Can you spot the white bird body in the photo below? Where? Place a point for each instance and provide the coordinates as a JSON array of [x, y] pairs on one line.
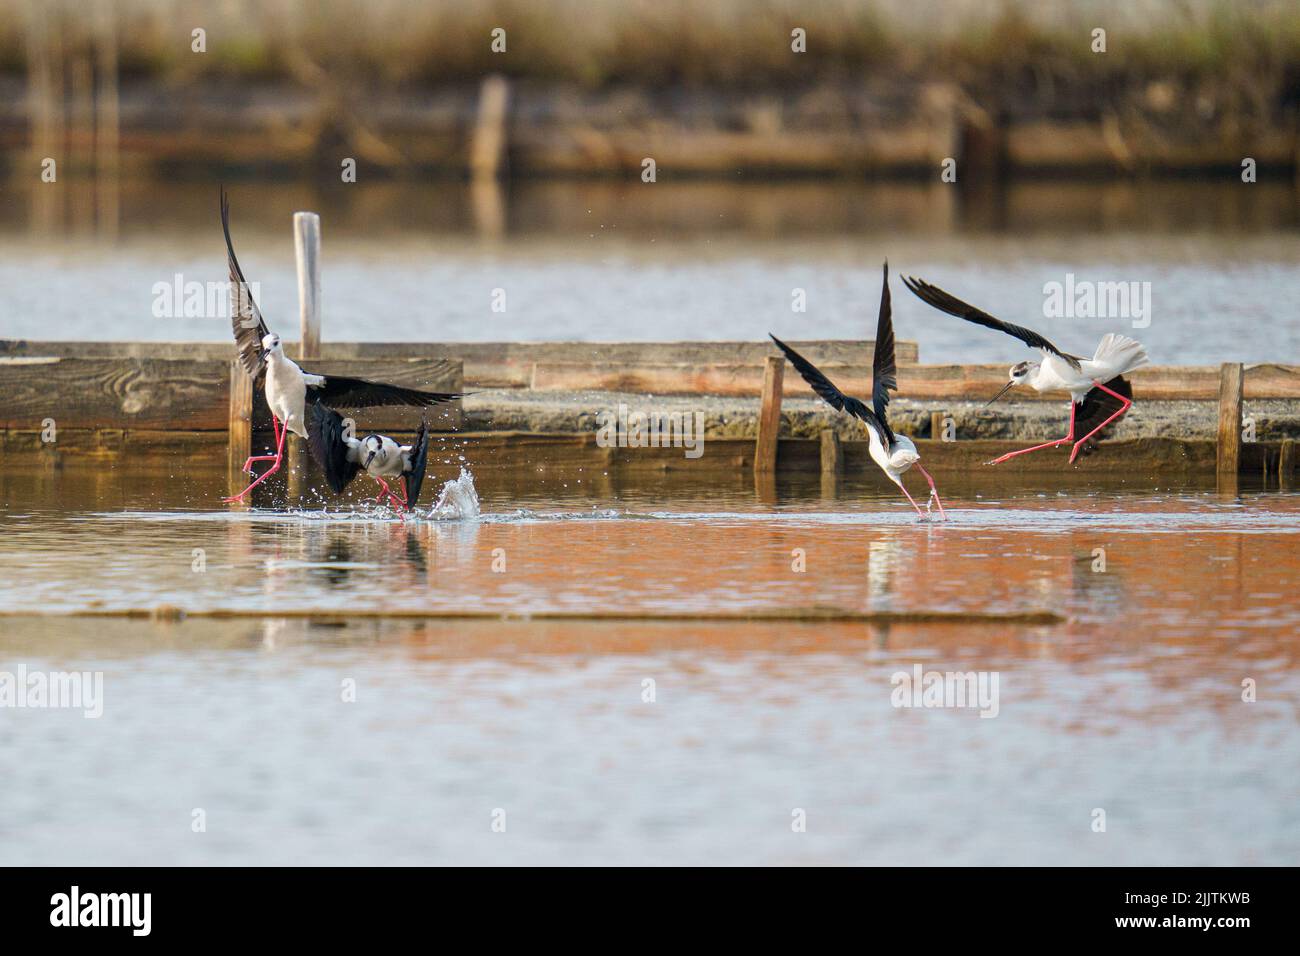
[[1116, 355], [286, 387], [896, 460]]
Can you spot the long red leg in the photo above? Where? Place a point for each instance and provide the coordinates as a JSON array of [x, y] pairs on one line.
[[934, 492], [1127, 405], [248, 465], [399, 503], [1050, 444], [909, 498], [279, 457]]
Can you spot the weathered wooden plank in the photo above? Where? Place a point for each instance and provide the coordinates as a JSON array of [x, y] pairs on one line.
[[921, 382], [769, 416], [116, 393], [137, 393], [489, 364]]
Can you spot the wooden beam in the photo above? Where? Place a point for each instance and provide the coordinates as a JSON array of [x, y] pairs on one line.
[[1229, 438], [306, 248], [769, 417], [1286, 464], [177, 395]]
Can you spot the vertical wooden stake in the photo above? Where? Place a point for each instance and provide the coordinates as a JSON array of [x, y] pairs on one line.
[[1228, 459], [240, 429], [107, 124], [831, 454], [936, 425], [1286, 464], [487, 144], [306, 247], [769, 416]]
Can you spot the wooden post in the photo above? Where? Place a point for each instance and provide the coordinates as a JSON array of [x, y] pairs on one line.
[[832, 459], [1228, 458], [769, 417], [1286, 464], [306, 247], [831, 454], [936, 425], [487, 144], [240, 436], [107, 124]]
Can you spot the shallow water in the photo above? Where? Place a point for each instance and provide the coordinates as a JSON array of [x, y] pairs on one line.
[[610, 262], [1131, 703]]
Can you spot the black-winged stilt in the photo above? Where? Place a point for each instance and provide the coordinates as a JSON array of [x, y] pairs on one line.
[[1095, 384], [895, 454], [288, 388], [342, 456]]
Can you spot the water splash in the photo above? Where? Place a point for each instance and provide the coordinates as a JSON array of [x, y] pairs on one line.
[[458, 500]]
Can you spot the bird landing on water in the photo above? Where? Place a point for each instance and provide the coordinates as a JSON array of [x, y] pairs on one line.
[[1099, 393], [895, 454]]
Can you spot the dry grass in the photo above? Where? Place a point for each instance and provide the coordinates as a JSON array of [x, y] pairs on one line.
[[744, 44]]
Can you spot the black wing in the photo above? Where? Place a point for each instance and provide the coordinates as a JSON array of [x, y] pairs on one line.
[[884, 372], [936, 297], [827, 390], [1096, 407], [325, 440], [359, 393], [419, 455], [245, 317]]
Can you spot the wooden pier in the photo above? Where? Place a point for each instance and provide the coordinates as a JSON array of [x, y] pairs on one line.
[[137, 396]]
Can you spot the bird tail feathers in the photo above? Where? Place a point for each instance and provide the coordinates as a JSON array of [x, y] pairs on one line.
[[1120, 354]]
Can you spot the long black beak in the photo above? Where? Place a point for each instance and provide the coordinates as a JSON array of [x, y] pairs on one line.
[[1005, 388], [369, 459]]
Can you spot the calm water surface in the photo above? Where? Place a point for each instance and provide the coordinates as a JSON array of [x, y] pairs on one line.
[[1132, 703], [667, 261]]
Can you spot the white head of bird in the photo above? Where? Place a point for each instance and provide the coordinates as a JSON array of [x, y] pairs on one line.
[[271, 344], [372, 448], [1018, 374]]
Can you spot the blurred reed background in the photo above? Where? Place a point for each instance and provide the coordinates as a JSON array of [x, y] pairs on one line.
[[1120, 158], [886, 86]]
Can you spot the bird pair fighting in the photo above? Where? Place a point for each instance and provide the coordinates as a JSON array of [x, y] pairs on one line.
[[1099, 393], [290, 392]]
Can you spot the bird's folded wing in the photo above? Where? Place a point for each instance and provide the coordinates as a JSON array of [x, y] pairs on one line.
[[325, 440], [359, 393], [944, 302], [1097, 406], [245, 317], [418, 456]]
